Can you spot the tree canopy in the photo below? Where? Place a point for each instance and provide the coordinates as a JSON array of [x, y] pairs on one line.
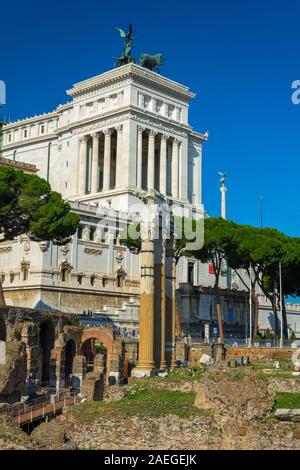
[[29, 206]]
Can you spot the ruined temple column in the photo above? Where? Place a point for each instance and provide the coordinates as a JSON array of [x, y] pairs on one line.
[[163, 363], [175, 166], [95, 161], [163, 165], [107, 156], [139, 156], [170, 303], [82, 166], [146, 362], [151, 160]]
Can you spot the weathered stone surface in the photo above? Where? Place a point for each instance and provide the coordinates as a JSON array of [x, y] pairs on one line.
[[284, 385], [243, 397], [288, 414], [13, 373], [114, 393], [52, 435], [12, 437]]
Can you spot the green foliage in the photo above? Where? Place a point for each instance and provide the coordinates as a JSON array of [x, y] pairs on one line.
[[268, 334], [256, 338], [131, 237], [218, 235], [293, 336], [100, 347], [28, 206], [148, 403]]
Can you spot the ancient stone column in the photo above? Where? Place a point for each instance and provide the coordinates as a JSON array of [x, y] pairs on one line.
[[139, 156], [95, 161], [151, 160], [82, 166], [163, 165], [175, 165], [146, 362], [170, 303], [107, 156], [163, 363], [119, 156]]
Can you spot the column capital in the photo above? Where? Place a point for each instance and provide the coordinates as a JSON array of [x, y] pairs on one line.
[[152, 133], [140, 129], [95, 135], [84, 138], [176, 141], [164, 137], [119, 129], [108, 131]]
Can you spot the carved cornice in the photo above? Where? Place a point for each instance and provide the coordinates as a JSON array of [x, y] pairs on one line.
[[5, 249], [131, 73], [92, 251]]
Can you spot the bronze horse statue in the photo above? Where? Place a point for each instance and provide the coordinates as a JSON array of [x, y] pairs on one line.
[[151, 62]]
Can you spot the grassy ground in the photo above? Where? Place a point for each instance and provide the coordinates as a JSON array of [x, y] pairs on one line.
[[149, 397], [142, 402], [287, 400], [159, 396]]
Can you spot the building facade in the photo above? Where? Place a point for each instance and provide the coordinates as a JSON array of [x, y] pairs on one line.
[[122, 133]]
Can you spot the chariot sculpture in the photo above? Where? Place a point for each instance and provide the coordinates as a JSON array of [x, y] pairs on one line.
[[151, 62]]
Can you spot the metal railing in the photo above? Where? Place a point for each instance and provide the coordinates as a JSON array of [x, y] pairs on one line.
[[40, 407]]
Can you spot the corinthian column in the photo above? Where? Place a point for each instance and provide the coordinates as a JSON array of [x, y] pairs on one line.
[[163, 363], [146, 361], [151, 160], [139, 156], [82, 166], [95, 160], [119, 156], [107, 155], [170, 303], [175, 165], [163, 165]]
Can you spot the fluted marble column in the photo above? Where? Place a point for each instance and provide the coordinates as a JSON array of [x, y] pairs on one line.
[[163, 165], [139, 156], [119, 130], [107, 157], [95, 162], [82, 166], [175, 166], [146, 363], [163, 363], [151, 160]]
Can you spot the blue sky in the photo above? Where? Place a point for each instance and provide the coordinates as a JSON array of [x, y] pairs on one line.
[[240, 57]]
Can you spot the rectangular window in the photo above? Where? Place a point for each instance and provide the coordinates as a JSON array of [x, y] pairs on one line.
[[92, 233], [42, 129], [79, 232], [159, 106], [171, 110], [190, 273], [147, 101]]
